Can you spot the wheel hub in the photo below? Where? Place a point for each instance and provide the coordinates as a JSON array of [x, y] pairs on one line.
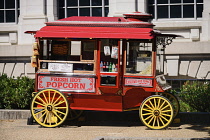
[[49, 107], [156, 112]]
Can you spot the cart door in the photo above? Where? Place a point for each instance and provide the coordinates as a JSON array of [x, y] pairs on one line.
[[109, 75]]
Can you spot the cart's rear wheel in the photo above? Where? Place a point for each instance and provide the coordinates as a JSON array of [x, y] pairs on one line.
[[49, 108], [156, 112], [173, 99], [74, 114]]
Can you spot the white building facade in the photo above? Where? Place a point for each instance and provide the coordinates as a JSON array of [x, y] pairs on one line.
[[187, 58]]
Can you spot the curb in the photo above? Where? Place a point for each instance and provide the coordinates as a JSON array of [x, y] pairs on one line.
[[146, 138], [6, 114], [185, 117]]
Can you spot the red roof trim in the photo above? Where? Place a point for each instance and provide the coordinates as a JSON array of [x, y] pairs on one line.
[[94, 32]]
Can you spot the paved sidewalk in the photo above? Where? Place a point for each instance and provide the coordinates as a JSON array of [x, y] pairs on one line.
[[97, 125], [100, 130]]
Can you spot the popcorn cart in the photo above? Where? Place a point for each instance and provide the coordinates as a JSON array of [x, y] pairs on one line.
[[102, 64]]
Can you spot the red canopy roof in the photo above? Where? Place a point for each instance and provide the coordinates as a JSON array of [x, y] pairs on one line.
[[94, 32], [132, 26]]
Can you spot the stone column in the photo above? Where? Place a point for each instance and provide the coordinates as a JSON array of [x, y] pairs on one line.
[[172, 65], [51, 10], [32, 18], [206, 21], [119, 7]]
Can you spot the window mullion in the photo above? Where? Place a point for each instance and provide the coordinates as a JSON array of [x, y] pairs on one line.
[[4, 16], [65, 8], [169, 9], [91, 8], [155, 9], [78, 8], [103, 8], [195, 10], [182, 8]]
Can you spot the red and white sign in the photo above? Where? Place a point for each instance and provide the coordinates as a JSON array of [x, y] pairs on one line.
[[138, 82], [74, 84]]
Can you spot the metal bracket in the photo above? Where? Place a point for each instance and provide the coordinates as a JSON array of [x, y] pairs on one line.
[[164, 40]]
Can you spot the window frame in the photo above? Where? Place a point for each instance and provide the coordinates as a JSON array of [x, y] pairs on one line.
[[16, 9], [141, 74], [78, 7], [169, 4]]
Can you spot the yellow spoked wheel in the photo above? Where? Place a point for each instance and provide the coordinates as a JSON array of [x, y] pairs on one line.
[[156, 112], [49, 108], [173, 99], [74, 114]]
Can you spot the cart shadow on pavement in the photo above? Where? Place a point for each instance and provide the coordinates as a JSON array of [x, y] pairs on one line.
[[104, 118]]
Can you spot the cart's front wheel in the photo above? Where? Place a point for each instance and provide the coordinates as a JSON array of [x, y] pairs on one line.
[[156, 112], [49, 108]]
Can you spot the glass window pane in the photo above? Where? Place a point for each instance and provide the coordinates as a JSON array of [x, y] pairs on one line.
[[199, 10], [188, 1], [84, 2], [151, 10], [84, 11], [188, 11], [106, 11], [97, 12], [72, 3], [175, 11], [106, 2], [175, 1], [61, 3], [151, 1], [162, 11], [61, 13], [10, 4], [96, 2], [1, 16], [162, 1], [72, 12], [139, 58], [18, 3], [10, 16], [1, 4], [199, 1]]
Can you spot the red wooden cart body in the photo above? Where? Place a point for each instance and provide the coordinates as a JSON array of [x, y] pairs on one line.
[[85, 91]]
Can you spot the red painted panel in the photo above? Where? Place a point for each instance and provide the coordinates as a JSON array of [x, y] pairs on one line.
[[134, 97], [96, 102]]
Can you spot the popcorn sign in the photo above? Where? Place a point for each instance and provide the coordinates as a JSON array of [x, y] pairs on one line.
[[74, 84], [138, 82]]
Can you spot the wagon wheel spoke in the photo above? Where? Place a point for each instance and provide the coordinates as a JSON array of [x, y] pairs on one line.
[[42, 115], [49, 108], [173, 99], [39, 112], [53, 97], [44, 97], [156, 112]]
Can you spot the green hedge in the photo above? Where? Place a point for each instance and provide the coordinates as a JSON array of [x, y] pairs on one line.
[[196, 94], [15, 93]]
